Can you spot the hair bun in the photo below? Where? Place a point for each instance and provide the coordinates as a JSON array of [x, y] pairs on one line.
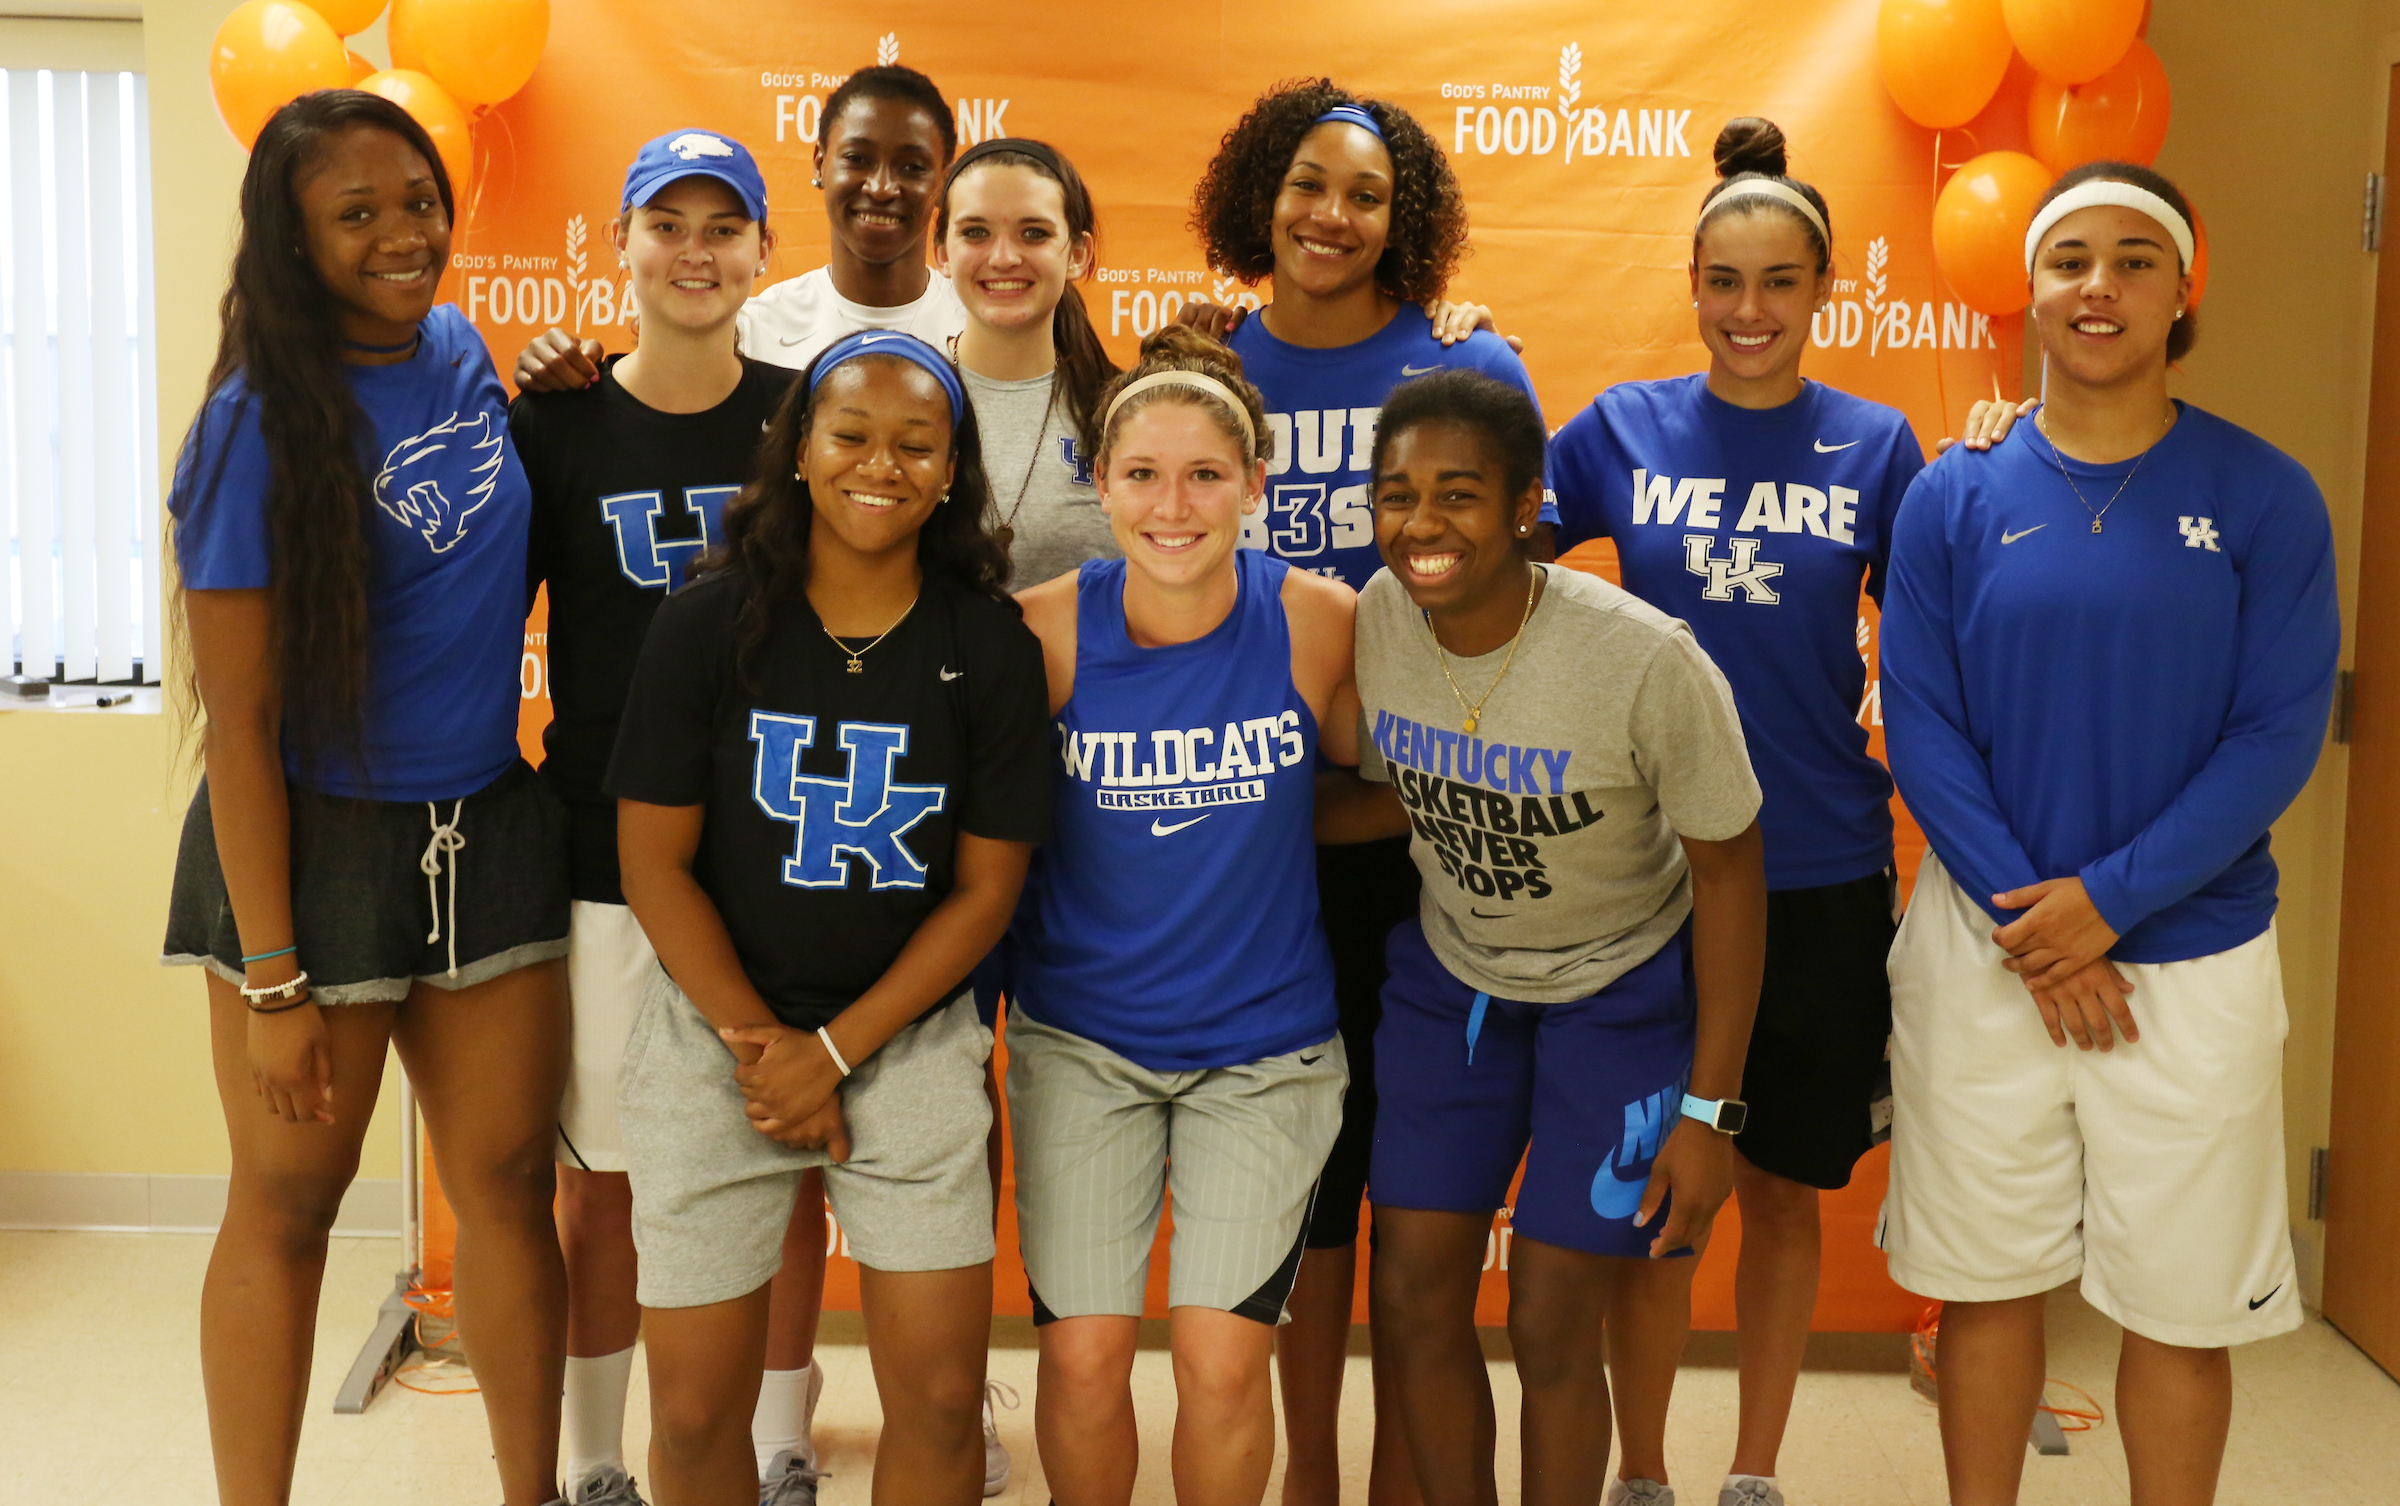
[[1179, 345], [1750, 145]]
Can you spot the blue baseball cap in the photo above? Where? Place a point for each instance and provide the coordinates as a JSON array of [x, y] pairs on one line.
[[695, 154]]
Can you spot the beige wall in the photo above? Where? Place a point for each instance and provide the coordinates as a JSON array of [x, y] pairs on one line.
[[103, 1056]]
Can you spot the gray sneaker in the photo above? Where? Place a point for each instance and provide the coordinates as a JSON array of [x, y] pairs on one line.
[[1623, 1492], [605, 1486], [1752, 1491], [995, 1454], [789, 1482]]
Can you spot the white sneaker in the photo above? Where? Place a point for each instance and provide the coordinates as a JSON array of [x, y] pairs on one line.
[[1622, 1492], [1750, 1490], [995, 1454]]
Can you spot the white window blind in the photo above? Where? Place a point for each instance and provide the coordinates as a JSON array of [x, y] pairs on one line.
[[81, 469]]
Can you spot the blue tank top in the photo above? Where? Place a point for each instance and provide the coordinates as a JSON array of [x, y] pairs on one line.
[[1172, 915]]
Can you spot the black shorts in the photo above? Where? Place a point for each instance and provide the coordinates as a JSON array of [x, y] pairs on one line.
[[1824, 1018], [1363, 890], [368, 925]]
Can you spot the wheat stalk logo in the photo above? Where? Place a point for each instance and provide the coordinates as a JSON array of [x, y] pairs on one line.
[[1226, 289], [1570, 89], [575, 293], [887, 49], [1879, 252]]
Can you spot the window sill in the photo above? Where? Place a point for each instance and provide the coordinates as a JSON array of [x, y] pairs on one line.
[[83, 700]]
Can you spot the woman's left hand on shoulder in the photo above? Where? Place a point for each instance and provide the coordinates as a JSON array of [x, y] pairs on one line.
[[1696, 1165], [1453, 322]]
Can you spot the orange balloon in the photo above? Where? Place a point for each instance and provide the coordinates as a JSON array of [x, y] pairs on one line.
[[348, 17], [2072, 41], [482, 51], [2120, 116], [1942, 59], [268, 53], [443, 120], [1979, 224], [400, 41], [359, 68]]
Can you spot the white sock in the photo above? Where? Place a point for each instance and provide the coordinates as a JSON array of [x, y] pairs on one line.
[[787, 1405], [593, 1419]]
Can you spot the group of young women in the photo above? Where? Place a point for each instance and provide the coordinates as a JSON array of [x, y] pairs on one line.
[[1320, 836]]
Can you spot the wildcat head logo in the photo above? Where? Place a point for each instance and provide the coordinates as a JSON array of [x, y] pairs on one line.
[[409, 486], [692, 146]]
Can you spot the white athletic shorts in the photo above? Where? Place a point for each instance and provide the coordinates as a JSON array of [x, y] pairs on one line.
[[2153, 1171], [609, 962]]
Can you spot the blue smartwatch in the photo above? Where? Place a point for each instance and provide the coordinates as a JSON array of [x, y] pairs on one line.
[[1724, 1115]]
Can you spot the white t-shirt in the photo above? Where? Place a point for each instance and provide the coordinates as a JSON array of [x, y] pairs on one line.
[[794, 319]]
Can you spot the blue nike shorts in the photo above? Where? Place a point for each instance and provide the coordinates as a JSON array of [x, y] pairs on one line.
[[1585, 1091]]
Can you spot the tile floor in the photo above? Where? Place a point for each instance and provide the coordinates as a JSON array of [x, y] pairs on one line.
[[100, 1404]]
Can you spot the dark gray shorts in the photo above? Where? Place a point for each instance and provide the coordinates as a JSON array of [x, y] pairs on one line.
[[370, 922]]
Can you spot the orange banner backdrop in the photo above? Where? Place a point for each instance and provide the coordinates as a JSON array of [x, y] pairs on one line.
[[1581, 134]]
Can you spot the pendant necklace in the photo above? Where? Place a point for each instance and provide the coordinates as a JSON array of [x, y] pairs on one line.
[[858, 656], [2064, 475], [1475, 712], [1006, 534]]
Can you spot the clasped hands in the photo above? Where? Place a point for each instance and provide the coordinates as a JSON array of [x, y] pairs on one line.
[[2059, 950], [789, 1087]]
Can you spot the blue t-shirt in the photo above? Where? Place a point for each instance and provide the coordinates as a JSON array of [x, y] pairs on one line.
[[446, 541], [1757, 526], [1322, 406], [1172, 915], [2134, 706]]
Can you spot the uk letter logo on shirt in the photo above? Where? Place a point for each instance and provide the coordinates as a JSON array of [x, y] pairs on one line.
[[651, 561], [863, 816], [2199, 533], [409, 486], [1745, 572]]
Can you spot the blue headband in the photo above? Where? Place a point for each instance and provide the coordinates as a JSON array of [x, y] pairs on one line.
[[892, 342], [1355, 116]]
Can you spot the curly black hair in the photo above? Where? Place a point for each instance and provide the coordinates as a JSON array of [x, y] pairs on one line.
[[1233, 207]]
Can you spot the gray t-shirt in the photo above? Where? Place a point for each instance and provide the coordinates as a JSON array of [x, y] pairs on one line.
[[1548, 839], [1030, 450]]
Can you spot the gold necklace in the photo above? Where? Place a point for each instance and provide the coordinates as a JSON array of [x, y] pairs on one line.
[[1475, 712], [857, 656], [2061, 467]]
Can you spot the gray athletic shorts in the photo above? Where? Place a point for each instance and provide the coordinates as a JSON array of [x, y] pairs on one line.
[[711, 1195], [1100, 1142]]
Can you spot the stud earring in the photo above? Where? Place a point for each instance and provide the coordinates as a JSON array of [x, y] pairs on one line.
[[1521, 528], [2179, 313]]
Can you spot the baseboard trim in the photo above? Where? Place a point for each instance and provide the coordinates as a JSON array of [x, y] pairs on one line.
[[135, 1202]]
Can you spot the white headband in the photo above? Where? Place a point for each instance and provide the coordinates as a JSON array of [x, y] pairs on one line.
[[2098, 191], [1196, 379], [1769, 188]]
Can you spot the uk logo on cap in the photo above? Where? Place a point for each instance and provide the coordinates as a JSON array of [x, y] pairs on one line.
[[695, 154]]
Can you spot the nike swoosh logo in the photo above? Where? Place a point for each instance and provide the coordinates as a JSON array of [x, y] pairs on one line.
[[875, 339], [2269, 1297], [2010, 538], [1310, 1061], [1826, 449], [1408, 370], [1161, 829], [954, 674], [1503, 915]]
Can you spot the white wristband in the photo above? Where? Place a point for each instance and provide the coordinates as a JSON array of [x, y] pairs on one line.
[[275, 993], [833, 1051]]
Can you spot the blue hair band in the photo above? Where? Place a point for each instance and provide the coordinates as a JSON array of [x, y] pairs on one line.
[[892, 342], [1354, 116]]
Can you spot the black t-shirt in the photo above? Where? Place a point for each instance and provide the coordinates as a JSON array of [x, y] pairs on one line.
[[625, 500], [834, 800]]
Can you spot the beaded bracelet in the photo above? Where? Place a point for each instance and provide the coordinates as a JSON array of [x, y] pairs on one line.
[[275, 993], [284, 1008]]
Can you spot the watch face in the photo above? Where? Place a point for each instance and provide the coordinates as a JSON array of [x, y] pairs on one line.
[[1732, 1115]]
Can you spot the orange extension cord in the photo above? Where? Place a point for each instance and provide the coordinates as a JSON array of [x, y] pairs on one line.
[[1922, 1378], [443, 1359]]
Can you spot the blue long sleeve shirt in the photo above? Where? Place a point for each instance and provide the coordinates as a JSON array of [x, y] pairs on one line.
[[2134, 706]]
